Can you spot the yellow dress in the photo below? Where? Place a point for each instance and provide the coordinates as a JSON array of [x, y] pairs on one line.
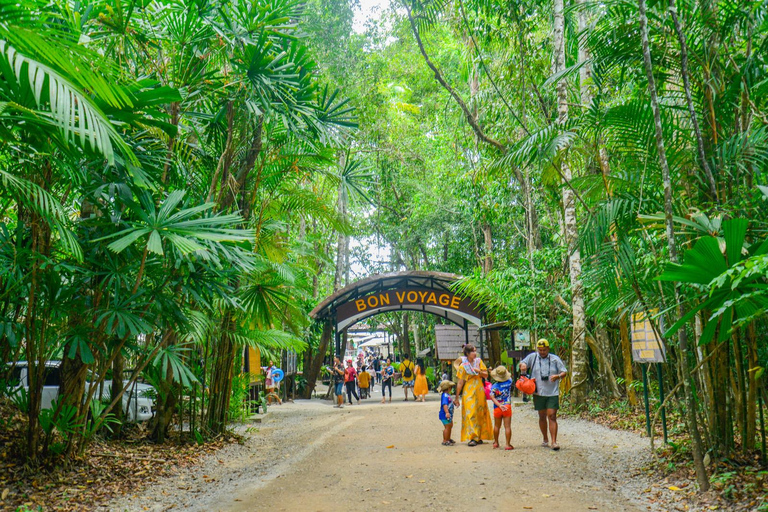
[[420, 387], [475, 417]]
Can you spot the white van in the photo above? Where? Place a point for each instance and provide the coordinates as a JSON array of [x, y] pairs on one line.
[[138, 403]]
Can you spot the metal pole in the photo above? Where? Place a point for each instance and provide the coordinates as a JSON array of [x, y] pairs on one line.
[[645, 394], [660, 375], [338, 344]]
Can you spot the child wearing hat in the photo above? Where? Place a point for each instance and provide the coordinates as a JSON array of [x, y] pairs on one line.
[[446, 411], [501, 396]]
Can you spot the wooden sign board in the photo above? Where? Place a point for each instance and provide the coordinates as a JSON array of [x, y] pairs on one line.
[[450, 340], [646, 346], [407, 298]]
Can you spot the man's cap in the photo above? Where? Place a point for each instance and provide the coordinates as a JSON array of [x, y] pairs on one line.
[[542, 343]]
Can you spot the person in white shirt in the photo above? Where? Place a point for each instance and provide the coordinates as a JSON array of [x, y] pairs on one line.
[[547, 370]]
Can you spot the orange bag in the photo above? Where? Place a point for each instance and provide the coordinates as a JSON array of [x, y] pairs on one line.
[[526, 385]]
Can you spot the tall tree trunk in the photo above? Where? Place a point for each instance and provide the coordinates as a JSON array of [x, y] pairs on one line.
[[626, 353], [579, 365], [341, 243], [752, 365], [494, 340], [35, 319], [118, 365], [689, 101], [690, 413], [317, 362], [221, 376], [405, 340], [603, 354], [738, 386]]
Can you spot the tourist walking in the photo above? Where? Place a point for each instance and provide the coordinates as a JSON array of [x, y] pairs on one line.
[[338, 373], [407, 373], [350, 380], [387, 376], [501, 396], [475, 418], [270, 383], [446, 411], [420, 386], [547, 370], [364, 382], [372, 380], [377, 368]]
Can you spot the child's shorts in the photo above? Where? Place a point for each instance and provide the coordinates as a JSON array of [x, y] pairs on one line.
[[505, 411], [446, 422]]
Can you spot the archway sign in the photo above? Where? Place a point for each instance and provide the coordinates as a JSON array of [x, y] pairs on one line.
[[414, 290]]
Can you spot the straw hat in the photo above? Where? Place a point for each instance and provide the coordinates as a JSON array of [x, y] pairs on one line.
[[445, 385], [457, 364], [500, 374]]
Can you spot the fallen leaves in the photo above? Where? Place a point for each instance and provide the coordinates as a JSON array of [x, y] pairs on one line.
[[107, 470]]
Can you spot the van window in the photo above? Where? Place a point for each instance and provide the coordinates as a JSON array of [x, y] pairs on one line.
[[53, 376], [15, 377]]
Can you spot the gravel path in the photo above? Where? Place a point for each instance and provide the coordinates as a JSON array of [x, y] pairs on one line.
[[310, 456]]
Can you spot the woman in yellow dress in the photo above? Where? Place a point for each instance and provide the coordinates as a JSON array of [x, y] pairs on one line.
[[421, 387], [475, 416]]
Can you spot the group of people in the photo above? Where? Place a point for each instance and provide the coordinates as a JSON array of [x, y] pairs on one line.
[[547, 370], [479, 393], [359, 379]]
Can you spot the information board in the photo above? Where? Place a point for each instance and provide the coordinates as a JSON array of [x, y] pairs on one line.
[[522, 339], [646, 346]]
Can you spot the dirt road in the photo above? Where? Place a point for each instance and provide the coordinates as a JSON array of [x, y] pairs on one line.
[[310, 456]]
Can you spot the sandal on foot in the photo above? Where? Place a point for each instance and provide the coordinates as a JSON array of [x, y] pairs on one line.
[[555, 446], [545, 444], [510, 447], [446, 443], [480, 441], [451, 442], [472, 443], [495, 445]]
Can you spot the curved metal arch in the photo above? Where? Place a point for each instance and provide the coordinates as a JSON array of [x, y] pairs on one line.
[[438, 281], [415, 290]]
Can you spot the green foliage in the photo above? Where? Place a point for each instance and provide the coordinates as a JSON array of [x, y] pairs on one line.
[[737, 297]]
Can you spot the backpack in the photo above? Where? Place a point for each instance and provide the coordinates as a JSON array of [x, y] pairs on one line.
[[407, 372]]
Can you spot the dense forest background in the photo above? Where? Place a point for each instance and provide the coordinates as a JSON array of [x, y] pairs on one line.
[[182, 179]]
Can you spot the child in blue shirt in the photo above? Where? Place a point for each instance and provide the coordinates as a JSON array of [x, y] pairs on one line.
[[446, 411], [501, 396]]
